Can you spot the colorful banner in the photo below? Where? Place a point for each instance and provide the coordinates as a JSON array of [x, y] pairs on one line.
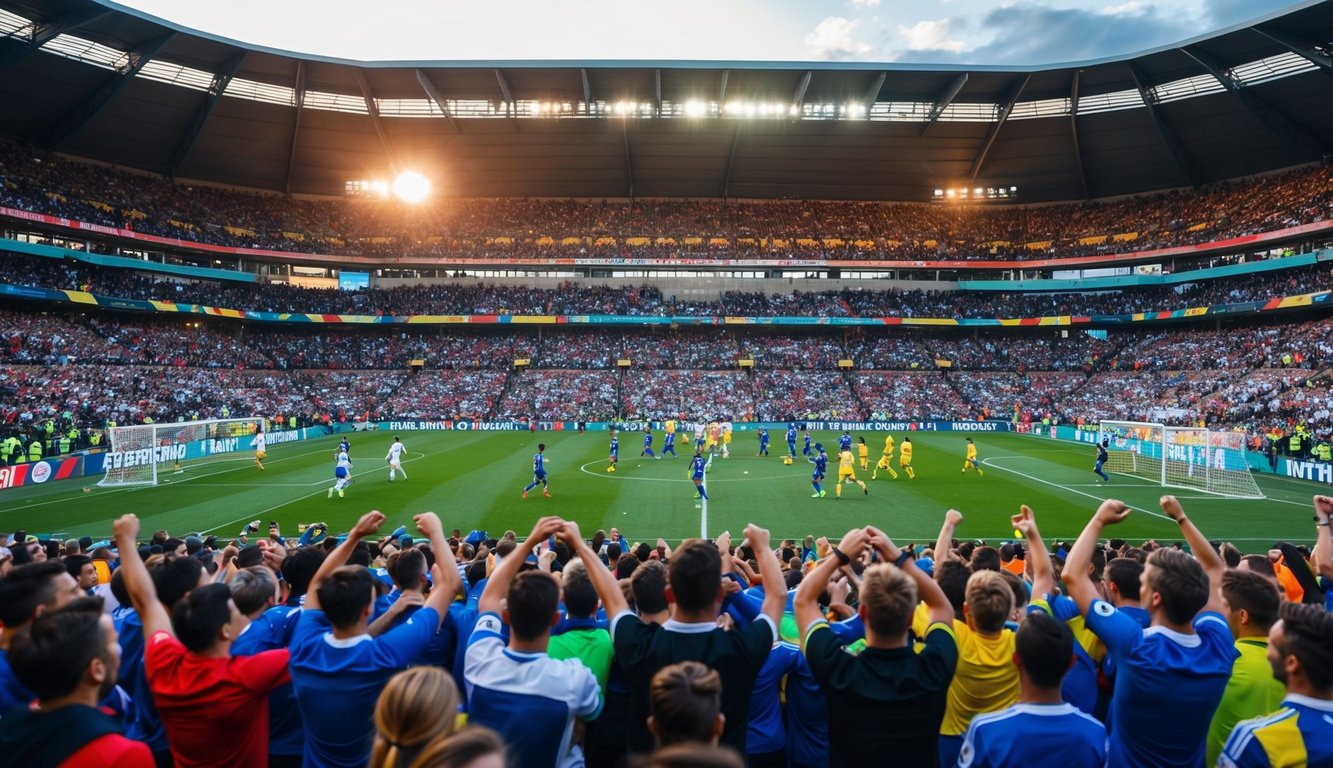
[[464, 425], [98, 463], [36, 473]]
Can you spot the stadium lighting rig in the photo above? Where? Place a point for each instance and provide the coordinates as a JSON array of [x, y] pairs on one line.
[[411, 187], [964, 194]]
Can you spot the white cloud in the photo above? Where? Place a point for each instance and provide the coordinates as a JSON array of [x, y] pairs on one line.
[[865, 3], [832, 39], [1131, 8], [930, 36]]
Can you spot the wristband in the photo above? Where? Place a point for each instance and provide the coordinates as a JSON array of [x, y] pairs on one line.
[[903, 557], [842, 556]]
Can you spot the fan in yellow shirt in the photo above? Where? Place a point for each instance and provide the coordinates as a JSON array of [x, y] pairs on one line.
[[971, 460], [886, 460], [847, 474]]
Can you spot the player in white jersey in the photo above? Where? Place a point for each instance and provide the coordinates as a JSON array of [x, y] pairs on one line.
[[395, 458], [258, 443], [342, 474]]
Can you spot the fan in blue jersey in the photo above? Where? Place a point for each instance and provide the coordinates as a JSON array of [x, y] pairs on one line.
[[1041, 724], [763, 442], [1187, 653], [697, 468], [820, 460], [538, 472], [1101, 460], [648, 445], [614, 456], [805, 450], [669, 444], [844, 442], [342, 474], [791, 440]]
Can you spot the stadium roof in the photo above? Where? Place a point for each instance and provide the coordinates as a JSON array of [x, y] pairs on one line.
[[94, 79]]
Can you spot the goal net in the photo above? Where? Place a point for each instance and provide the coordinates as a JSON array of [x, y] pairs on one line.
[[136, 454], [1180, 457]]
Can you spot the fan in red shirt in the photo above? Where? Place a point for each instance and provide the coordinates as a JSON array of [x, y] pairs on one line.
[[214, 706]]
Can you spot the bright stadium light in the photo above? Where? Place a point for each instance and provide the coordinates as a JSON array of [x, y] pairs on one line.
[[695, 108], [411, 187]]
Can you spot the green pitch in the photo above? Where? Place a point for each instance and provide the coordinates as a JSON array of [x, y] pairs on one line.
[[474, 480]]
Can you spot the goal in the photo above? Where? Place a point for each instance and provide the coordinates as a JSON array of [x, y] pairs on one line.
[[135, 453], [1180, 457]]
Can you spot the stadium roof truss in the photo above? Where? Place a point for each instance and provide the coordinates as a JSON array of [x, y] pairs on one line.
[[94, 79]]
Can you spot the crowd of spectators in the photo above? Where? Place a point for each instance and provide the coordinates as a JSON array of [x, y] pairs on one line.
[[38, 181]]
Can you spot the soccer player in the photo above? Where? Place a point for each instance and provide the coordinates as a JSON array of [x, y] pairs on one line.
[[538, 472], [863, 453], [847, 473], [1300, 649], [1187, 653], [805, 450], [648, 445], [346, 446], [1041, 724], [1101, 460], [791, 440], [669, 441], [845, 442], [820, 460], [905, 459], [615, 452], [725, 428], [258, 442], [394, 457], [714, 437], [699, 436], [971, 459], [886, 460], [763, 442], [342, 474], [697, 468]]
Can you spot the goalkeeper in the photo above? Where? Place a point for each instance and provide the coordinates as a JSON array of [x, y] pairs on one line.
[[1101, 460]]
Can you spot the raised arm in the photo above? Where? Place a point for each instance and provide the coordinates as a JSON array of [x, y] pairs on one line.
[[1043, 575], [608, 589], [1209, 558], [775, 589], [1323, 548], [1077, 581], [447, 580], [366, 526], [497, 587], [944, 543], [137, 580], [806, 603], [938, 607]]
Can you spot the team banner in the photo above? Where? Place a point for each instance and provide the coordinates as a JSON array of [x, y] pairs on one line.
[[467, 425], [38, 472]]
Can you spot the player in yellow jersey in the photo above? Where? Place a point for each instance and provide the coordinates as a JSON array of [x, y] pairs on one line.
[[863, 453], [905, 458], [886, 461], [714, 437], [971, 460], [847, 473]]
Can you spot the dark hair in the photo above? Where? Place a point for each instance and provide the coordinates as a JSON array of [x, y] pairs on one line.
[[695, 575], [625, 565], [171, 545], [1253, 593], [407, 568], [613, 552], [1124, 573], [1260, 565], [1230, 555], [1181, 582], [534, 597], [648, 585], [684, 700], [1308, 635], [985, 559], [118, 589], [252, 588], [642, 551], [952, 576], [27, 587], [344, 595], [299, 568], [201, 615], [476, 573], [1045, 646], [692, 755], [175, 578], [462, 748], [248, 556], [51, 655], [579, 593], [360, 555], [504, 548], [74, 564]]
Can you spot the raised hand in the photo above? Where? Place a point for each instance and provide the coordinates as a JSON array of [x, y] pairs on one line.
[[953, 517], [429, 524], [1323, 507], [1024, 522], [757, 537], [1113, 511], [126, 526], [368, 524], [546, 527], [854, 542], [1172, 508]]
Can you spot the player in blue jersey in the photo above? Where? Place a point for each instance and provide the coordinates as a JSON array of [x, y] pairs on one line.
[[845, 442], [820, 460], [615, 452], [345, 446], [1101, 460], [669, 444], [805, 450], [342, 474], [763, 442], [791, 440], [538, 472], [1300, 650], [697, 468], [1187, 654], [648, 445], [1041, 724]]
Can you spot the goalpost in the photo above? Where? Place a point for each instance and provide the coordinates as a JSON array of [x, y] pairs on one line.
[[135, 452], [1180, 457]]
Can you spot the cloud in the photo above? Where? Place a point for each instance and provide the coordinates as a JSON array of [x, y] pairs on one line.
[[865, 3], [1225, 13], [931, 35], [1131, 8], [832, 40]]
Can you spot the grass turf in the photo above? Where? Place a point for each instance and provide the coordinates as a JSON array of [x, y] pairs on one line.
[[474, 480]]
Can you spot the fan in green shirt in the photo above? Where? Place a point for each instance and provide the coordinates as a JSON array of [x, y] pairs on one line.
[[1251, 604]]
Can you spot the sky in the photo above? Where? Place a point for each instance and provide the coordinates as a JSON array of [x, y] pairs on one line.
[[1025, 32]]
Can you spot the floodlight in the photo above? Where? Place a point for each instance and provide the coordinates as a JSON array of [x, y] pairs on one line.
[[695, 108], [411, 187]]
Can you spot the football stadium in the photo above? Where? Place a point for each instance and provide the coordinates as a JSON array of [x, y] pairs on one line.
[[498, 412]]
